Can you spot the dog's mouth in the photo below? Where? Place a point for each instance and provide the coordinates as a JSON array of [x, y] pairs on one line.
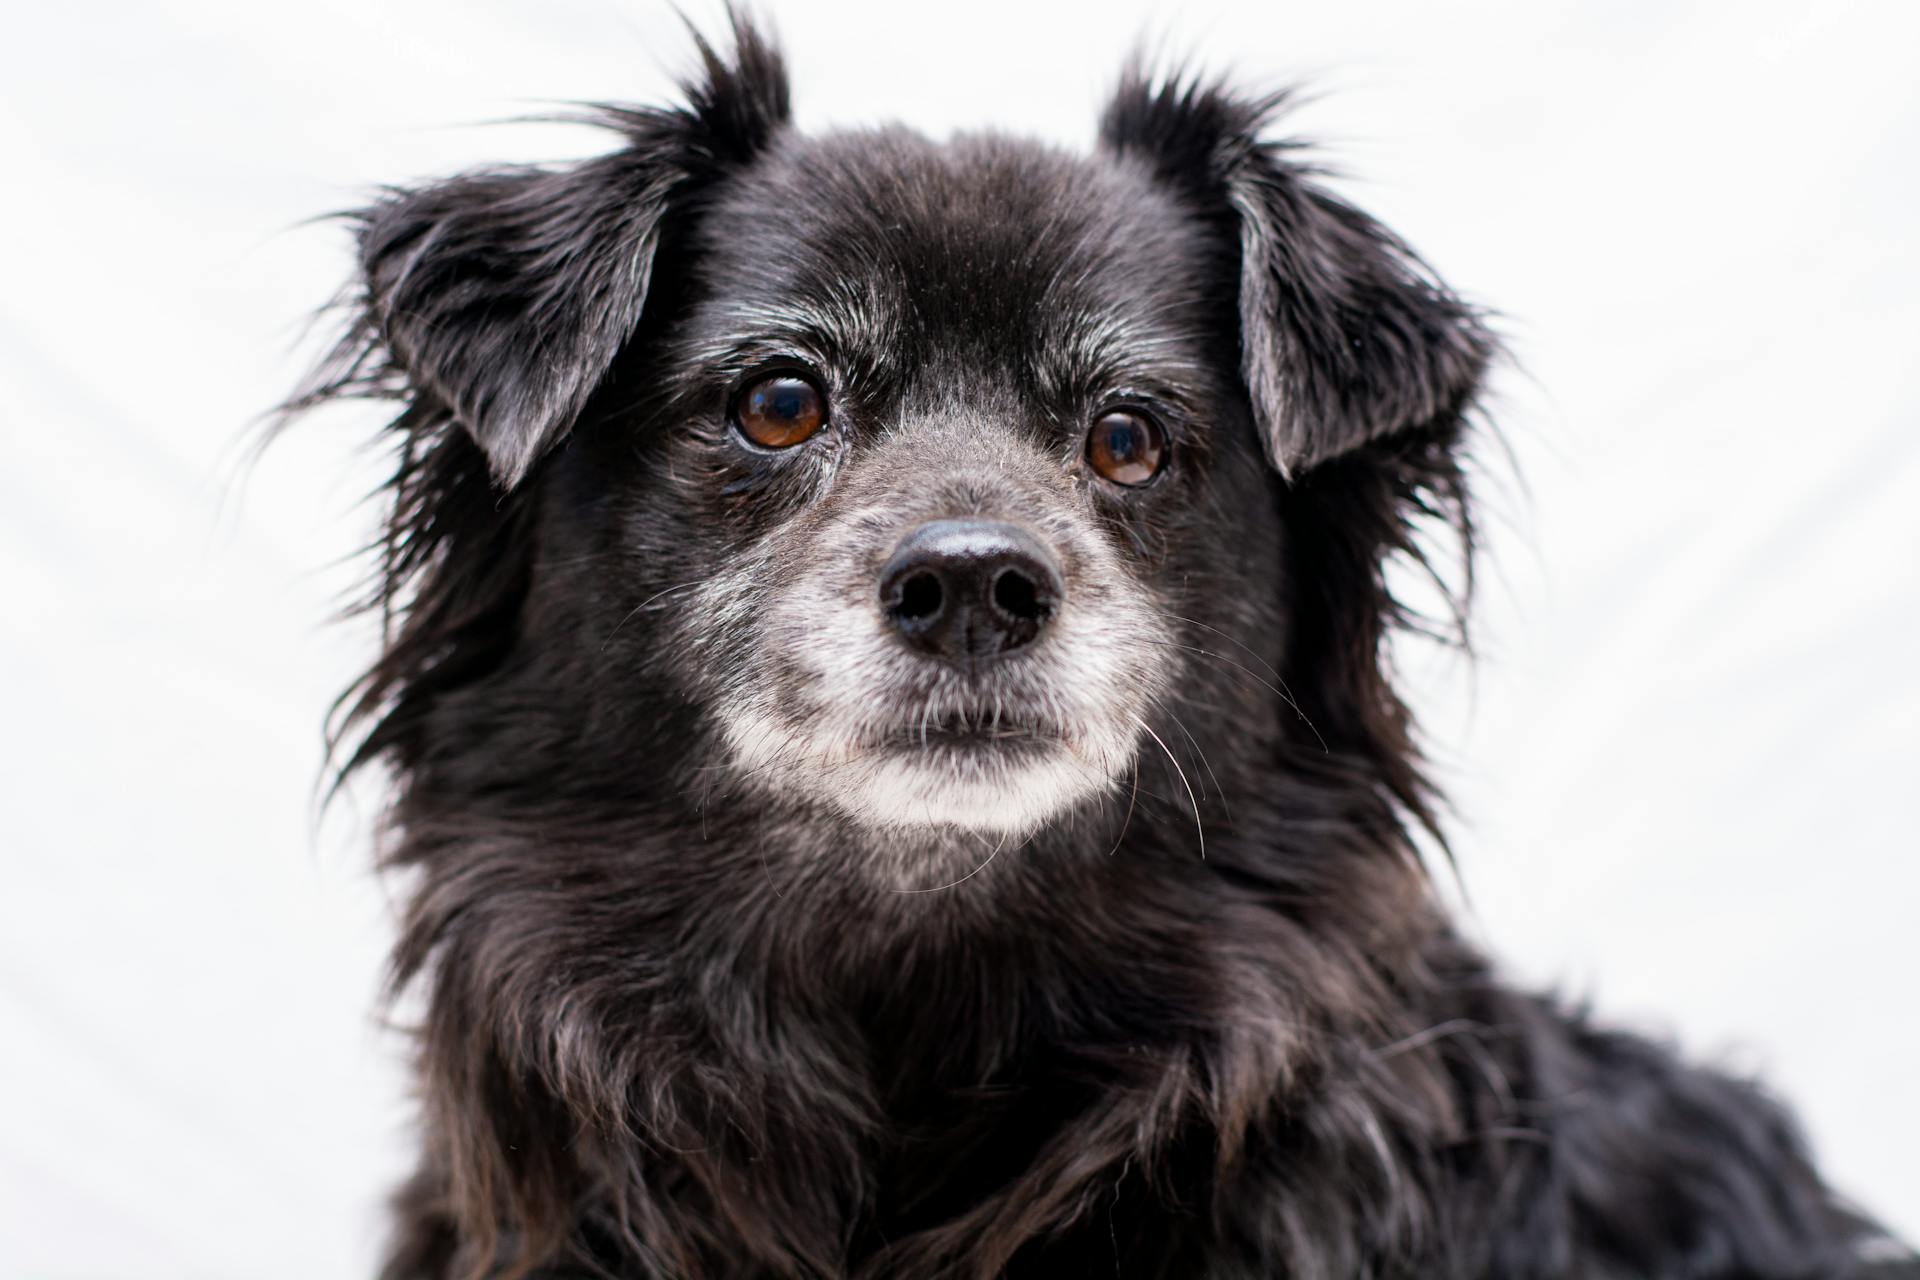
[[982, 730], [972, 767]]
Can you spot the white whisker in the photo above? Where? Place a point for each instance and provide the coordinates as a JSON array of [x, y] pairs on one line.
[[971, 874], [1198, 830]]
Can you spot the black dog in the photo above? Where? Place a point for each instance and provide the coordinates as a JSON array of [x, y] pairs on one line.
[[897, 773]]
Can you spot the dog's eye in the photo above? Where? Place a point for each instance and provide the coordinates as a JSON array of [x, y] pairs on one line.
[[780, 410], [1126, 447]]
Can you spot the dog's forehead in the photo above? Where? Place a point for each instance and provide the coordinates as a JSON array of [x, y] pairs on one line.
[[984, 244]]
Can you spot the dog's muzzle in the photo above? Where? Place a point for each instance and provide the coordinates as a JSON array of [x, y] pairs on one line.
[[969, 591]]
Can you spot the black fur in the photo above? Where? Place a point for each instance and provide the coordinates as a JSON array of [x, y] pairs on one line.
[[684, 1018]]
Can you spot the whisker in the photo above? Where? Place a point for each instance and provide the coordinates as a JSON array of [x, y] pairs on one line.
[[1280, 693], [1205, 764], [1198, 830], [685, 586], [1132, 796], [971, 874], [1195, 622]]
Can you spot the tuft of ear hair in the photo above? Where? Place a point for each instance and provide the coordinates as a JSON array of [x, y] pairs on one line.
[[490, 307], [506, 294], [1346, 335]]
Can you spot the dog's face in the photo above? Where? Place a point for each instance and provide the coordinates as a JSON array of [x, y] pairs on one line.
[[905, 481], [939, 418]]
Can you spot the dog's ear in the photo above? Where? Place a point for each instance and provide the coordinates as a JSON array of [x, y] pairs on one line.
[[1345, 336], [506, 294]]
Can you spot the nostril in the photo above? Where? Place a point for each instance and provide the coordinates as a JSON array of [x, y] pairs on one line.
[[1018, 596], [969, 589], [920, 598]]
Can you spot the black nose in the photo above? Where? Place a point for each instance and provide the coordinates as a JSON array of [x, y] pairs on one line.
[[970, 589]]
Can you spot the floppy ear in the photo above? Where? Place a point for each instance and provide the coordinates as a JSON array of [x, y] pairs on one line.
[[506, 294], [1345, 335]]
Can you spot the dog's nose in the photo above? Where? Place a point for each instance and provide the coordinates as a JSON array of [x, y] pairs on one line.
[[970, 589]]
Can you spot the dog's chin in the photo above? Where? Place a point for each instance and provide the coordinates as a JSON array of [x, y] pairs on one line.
[[1010, 785], [989, 780]]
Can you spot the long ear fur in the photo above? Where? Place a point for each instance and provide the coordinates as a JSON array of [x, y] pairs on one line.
[[1360, 368], [489, 306], [1345, 335], [505, 295]]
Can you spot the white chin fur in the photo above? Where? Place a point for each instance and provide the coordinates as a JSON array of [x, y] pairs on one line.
[[1010, 793], [1011, 797]]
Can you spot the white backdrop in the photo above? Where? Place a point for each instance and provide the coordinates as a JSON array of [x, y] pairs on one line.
[[1685, 765]]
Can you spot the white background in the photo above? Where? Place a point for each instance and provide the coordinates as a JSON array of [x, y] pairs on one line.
[[1685, 764]]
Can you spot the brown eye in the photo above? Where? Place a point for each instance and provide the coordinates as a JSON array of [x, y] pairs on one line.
[[1126, 447], [780, 411]]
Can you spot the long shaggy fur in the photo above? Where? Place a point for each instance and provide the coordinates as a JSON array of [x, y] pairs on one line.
[[1207, 1022]]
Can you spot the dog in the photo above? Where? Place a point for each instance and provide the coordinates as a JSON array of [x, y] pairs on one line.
[[895, 767]]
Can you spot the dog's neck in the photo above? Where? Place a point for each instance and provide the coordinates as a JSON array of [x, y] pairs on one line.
[[920, 1048]]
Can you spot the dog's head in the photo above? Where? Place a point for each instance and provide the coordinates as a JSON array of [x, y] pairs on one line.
[[920, 484]]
